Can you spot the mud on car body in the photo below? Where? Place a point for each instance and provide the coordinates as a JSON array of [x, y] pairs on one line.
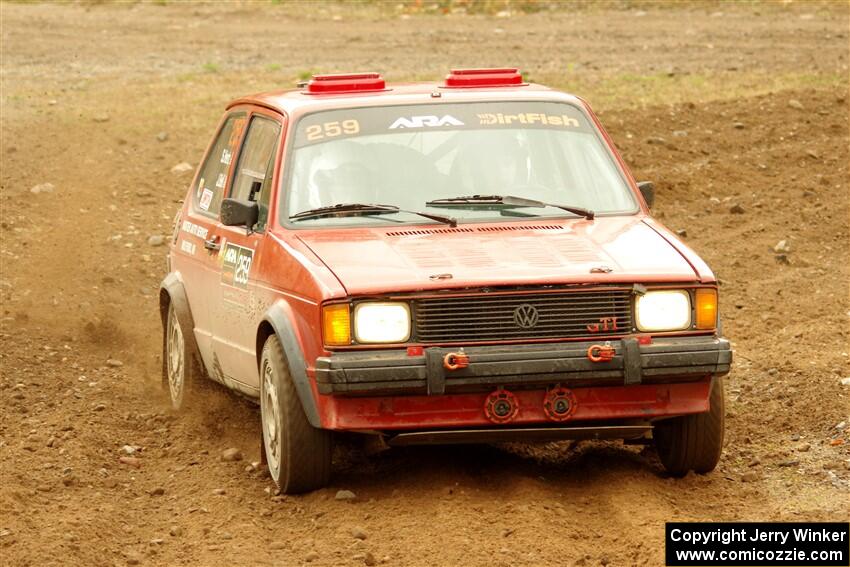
[[465, 261]]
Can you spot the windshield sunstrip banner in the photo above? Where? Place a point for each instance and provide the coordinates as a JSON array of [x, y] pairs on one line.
[[350, 122]]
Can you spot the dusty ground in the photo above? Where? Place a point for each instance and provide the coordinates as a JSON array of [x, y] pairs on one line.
[[720, 105]]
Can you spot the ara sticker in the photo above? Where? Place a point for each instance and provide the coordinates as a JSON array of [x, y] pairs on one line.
[[226, 156], [206, 199], [236, 266], [188, 247], [425, 121], [219, 183]]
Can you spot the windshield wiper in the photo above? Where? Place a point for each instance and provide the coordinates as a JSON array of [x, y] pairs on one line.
[[352, 209], [510, 201]]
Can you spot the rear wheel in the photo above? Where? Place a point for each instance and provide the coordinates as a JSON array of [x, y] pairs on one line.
[[693, 442], [298, 455], [181, 375]]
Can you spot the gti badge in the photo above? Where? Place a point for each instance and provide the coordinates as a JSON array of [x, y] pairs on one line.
[[604, 324]]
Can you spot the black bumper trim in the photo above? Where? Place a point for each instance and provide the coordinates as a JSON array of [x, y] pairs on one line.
[[521, 434], [393, 372]]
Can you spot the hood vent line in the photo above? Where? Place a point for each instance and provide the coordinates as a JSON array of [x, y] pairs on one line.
[[426, 231]]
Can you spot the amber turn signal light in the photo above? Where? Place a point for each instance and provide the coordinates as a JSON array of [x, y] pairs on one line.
[[706, 300], [336, 324]]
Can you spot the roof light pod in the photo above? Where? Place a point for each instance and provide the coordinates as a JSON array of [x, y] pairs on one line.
[[346, 83], [470, 78]]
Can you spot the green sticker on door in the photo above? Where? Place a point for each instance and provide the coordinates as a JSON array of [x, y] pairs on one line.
[[236, 266]]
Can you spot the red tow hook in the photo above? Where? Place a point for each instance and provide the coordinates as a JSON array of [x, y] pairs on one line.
[[601, 353], [456, 360]]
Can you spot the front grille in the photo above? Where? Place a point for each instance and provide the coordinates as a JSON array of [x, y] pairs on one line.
[[512, 316]]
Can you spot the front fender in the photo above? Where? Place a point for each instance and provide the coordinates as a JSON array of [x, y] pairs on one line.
[[172, 291], [285, 324]]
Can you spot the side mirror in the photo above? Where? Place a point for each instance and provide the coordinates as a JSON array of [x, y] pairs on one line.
[[236, 212], [647, 189]]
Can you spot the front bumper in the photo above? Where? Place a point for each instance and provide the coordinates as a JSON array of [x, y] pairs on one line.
[[393, 372]]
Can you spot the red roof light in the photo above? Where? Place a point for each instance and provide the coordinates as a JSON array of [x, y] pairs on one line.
[[468, 78], [346, 83]]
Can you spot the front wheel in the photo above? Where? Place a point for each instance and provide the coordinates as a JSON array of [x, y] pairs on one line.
[[693, 442], [298, 454], [181, 375]]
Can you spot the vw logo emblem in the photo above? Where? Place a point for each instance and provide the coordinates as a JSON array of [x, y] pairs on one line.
[[526, 316]]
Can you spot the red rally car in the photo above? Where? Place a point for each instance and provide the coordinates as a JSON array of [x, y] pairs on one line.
[[456, 262]]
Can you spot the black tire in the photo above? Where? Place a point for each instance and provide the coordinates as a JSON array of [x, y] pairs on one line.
[[298, 455], [693, 442], [181, 375]]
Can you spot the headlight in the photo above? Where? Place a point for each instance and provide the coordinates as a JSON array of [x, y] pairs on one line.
[[381, 322], [667, 310]]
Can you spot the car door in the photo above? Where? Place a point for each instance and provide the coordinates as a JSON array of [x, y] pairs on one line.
[[241, 297], [197, 247]]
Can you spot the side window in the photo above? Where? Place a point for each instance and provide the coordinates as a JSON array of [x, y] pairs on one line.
[[213, 178], [253, 179]]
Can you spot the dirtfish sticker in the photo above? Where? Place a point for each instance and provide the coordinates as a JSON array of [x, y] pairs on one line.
[[222, 179], [226, 156], [236, 266], [425, 122], [491, 118]]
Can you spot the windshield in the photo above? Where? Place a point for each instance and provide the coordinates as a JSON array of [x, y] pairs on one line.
[[407, 156]]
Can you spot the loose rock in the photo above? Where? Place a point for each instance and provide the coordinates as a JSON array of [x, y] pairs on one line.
[[101, 118], [345, 495], [804, 447], [162, 136], [182, 167], [231, 454], [310, 557], [43, 188], [358, 533], [114, 362], [130, 461], [751, 476], [736, 210], [782, 246], [156, 240], [795, 104]]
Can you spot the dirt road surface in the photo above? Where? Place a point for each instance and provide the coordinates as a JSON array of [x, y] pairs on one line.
[[740, 115]]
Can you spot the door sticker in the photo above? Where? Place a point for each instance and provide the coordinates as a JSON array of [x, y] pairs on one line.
[[206, 199], [236, 265]]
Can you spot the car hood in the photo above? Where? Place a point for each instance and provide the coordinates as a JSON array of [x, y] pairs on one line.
[[604, 250]]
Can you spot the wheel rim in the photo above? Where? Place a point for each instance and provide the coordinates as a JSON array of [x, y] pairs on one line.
[[270, 410], [175, 360]]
